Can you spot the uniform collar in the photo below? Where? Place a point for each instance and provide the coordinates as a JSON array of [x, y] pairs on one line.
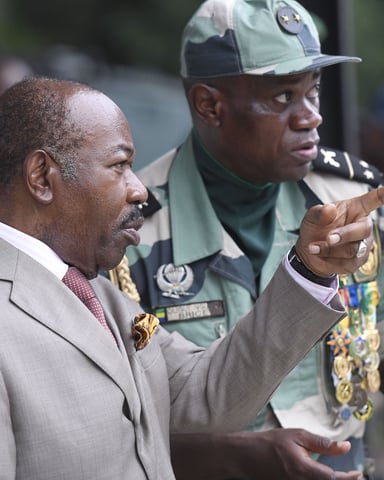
[[186, 187]]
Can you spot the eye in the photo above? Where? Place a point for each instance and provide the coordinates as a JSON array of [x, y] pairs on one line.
[[122, 165], [314, 93], [284, 98]]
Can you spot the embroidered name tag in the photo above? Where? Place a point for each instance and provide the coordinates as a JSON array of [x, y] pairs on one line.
[[191, 311]]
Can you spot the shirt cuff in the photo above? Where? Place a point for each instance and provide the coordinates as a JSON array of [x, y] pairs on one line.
[[321, 293]]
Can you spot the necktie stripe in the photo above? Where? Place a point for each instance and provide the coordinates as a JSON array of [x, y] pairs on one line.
[[80, 286]]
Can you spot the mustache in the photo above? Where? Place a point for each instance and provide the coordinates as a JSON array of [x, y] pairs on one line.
[[131, 217]]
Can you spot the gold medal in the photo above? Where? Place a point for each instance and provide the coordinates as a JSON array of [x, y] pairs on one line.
[[372, 362], [341, 366], [373, 338], [355, 342], [373, 380], [364, 413], [344, 391]]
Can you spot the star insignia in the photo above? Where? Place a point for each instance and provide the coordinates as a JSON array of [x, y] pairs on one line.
[[368, 174], [289, 20]]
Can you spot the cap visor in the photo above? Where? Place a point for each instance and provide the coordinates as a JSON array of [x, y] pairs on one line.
[[302, 65]]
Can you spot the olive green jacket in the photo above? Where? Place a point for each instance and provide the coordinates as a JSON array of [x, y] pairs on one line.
[[191, 273]]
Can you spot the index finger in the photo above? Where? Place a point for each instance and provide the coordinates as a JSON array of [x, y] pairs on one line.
[[372, 200]]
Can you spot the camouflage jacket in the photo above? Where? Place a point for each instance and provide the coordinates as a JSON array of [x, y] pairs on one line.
[[194, 277]]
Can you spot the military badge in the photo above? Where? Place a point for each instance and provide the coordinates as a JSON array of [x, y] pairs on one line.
[[290, 20], [174, 281]]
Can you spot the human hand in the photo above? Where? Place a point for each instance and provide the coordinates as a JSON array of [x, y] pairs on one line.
[[273, 454], [330, 234]]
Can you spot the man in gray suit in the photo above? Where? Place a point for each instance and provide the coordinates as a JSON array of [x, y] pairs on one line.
[[84, 400]]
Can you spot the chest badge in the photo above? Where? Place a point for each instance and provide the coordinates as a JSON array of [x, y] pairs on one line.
[[174, 281]]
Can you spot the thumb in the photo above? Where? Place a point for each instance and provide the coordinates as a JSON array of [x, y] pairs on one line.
[[325, 446]]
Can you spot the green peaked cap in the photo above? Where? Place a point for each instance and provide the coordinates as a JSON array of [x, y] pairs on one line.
[[254, 37]]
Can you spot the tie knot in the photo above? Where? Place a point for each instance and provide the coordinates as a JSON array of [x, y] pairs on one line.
[[79, 284]]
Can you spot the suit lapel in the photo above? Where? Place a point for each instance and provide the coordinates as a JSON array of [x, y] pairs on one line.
[[47, 300]]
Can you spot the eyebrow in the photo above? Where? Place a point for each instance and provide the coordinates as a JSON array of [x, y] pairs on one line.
[[128, 149]]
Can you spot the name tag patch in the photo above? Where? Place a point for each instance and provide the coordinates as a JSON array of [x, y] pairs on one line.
[[191, 311]]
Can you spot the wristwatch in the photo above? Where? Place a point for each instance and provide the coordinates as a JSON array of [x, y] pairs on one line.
[[299, 266]]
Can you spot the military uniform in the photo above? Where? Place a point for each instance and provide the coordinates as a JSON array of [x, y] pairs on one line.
[[196, 279]]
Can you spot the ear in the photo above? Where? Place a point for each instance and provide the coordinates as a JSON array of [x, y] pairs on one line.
[[206, 102], [40, 171]]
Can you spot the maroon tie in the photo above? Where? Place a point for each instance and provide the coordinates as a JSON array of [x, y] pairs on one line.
[[80, 286]]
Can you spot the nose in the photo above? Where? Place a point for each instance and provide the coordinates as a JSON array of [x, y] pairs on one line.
[[306, 116], [136, 191]]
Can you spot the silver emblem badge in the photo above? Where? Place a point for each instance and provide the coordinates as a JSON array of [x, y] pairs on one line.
[[174, 281]]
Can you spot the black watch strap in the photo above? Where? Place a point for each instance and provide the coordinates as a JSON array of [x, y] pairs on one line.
[[299, 266]]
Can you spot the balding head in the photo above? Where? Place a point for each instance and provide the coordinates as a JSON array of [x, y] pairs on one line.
[[66, 154], [33, 115]]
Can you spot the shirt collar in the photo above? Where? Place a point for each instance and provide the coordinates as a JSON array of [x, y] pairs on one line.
[[36, 249]]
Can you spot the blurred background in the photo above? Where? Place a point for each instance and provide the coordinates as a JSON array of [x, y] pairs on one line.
[[130, 50]]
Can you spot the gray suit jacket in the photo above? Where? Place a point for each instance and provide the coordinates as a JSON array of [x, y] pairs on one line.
[[75, 407]]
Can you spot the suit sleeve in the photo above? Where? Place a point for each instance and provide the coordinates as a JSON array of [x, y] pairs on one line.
[[223, 387]]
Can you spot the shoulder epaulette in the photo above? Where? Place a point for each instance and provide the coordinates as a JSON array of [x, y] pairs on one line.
[[345, 165]]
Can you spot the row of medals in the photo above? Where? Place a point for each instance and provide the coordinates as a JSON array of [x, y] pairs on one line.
[[354, 345]]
